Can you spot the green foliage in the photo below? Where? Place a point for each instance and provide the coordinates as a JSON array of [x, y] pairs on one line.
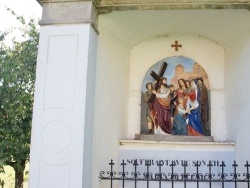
[[17, 78]]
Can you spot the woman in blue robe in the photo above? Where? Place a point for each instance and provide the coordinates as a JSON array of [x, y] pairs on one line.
[[179, 124], [194, 116]]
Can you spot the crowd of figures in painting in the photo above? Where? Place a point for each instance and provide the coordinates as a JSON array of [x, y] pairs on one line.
[[177, 111]]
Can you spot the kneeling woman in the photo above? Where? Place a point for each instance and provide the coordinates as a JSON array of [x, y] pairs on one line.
[[179, 124]]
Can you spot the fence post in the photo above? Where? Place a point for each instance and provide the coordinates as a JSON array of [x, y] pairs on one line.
[[235, 174], [184, 164], [160, 164], [197, 165], [222, 173], [123, 173], [135, 173], [111, 172], [172, 173], [210, 174], [147, 164], [248, 175]]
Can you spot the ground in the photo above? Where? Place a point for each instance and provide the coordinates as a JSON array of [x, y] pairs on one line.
[[9, 177]]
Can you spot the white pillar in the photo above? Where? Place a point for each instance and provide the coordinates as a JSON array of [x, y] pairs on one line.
[[61, 142]]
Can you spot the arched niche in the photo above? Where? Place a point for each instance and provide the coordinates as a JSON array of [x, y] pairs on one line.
[[178, 68], [205, 52]]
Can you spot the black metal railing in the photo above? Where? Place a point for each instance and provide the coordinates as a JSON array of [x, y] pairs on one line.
[[209, 175]]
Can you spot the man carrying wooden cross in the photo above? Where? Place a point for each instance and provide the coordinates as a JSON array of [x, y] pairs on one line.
[[160, 112]]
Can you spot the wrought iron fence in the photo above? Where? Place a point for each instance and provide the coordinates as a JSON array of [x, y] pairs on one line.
[[223, 177]]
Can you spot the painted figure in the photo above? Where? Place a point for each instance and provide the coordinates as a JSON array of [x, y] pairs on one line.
[[180, 125], [188, 86], [161, 109], [147, 99], [182, 88], [173, 102], [203, 101], [194, 117], [181, 91]]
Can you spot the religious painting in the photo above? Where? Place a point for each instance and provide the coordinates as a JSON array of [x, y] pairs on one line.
[[175, 99]]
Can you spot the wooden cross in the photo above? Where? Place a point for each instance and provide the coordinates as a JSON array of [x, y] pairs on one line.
[[158, 77], [176, 45]]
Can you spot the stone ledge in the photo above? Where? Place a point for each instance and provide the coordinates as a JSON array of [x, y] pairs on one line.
[[122, 142], [170, 140], [173, 138]]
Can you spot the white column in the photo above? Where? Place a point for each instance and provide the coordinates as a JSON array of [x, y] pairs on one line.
[[61, 143]]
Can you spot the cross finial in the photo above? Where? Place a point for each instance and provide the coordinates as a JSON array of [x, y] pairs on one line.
[[176, 45]]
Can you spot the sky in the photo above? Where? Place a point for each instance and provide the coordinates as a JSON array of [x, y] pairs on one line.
[[26, 8]]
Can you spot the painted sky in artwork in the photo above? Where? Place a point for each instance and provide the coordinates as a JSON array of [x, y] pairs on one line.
[[172, 62]]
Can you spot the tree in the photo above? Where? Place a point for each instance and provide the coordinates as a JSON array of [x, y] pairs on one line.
[[17, 78]]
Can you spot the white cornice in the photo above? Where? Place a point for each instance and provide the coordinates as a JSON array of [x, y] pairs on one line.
[[105, 6]]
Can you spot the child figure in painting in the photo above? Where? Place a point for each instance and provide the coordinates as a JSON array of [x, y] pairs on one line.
[[147, 99], [179, 124], [173, 102]]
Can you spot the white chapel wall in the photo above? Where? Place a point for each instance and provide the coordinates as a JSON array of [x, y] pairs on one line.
[[237, 96], [111, 99], [204, 51], [119, 75]]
